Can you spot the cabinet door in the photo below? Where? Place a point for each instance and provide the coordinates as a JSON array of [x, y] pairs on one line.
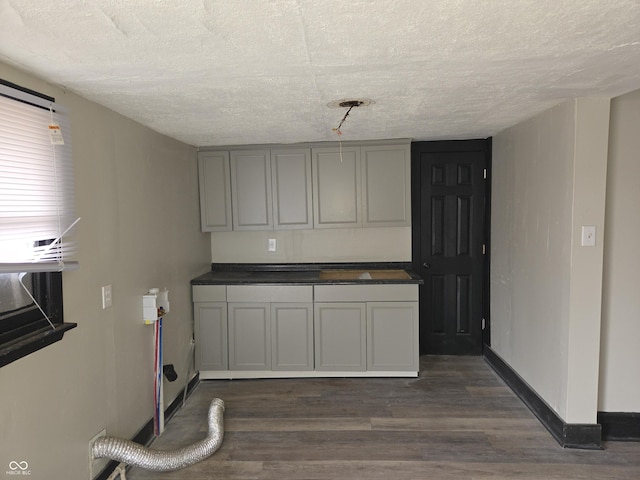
[[249, 336], [392, 336], [291, 336], [211, 335], [386, 186], [340, 336], [336, 187], [291, 186], [251, 190], [215, 191]]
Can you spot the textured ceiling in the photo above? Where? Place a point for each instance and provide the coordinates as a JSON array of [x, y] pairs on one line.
[[231, 72]]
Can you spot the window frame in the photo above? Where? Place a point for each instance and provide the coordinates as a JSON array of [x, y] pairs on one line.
[[27, 330]]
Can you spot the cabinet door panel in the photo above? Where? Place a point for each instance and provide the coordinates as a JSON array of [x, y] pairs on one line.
[[340, 336], [386, 186], [211, 335], [215, 191], [392, 336], [249, 336], [292, 336], [291, 186], [336, 187], [251, 190]]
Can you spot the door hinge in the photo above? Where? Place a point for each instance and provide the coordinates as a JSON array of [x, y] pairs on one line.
[[484, 173], [484, 324]]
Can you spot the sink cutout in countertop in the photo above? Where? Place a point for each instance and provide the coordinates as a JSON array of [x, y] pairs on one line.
[[364, 275]]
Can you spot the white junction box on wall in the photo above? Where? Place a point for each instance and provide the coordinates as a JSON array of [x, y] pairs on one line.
[[155, 304]]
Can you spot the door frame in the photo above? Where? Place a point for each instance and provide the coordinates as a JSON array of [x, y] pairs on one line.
[[416, 217]]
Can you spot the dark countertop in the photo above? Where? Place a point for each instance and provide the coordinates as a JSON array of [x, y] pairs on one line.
[[298, 274]]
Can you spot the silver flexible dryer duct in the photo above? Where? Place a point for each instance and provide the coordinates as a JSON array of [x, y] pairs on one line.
[[137, 455]]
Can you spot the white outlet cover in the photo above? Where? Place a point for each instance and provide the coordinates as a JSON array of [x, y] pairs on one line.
[[96, 464], [588, 236]]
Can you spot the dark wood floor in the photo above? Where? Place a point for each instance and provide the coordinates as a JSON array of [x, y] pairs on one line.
[[458, 420]]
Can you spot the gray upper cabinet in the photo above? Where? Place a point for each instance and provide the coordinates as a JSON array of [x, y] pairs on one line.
[[386, 186], [291, 186], [336, 187], [251, 190], [306, 186], [215, 191]]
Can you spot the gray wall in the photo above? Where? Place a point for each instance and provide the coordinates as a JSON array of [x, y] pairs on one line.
[[137, 194], [548, 180], [620, 352], [391, 244]]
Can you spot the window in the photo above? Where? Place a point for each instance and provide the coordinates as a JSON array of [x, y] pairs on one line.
[[36, 220]]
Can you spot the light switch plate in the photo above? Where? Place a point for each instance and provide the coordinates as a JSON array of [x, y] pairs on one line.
[[588, 236], [107, 299]]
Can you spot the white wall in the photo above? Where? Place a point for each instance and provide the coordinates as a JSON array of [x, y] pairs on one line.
[[548, 181], [137, 194], [620, 352], [391, 244]]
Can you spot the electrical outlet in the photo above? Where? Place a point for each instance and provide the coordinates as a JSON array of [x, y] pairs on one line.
[[271, 246], [96, 465], [107, 299]]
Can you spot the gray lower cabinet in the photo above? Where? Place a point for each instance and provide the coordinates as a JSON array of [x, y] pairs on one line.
[[392, 336], [271, 336], [270, 327], [211, 335], [210, 327], [275, 330], [366, 327], [292, 336], [249, 336], [372, 336], [340, 336]]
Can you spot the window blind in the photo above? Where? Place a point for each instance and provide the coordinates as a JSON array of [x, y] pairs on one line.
[[37, 212]]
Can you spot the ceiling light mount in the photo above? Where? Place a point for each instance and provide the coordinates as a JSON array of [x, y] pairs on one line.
[[350, 103]]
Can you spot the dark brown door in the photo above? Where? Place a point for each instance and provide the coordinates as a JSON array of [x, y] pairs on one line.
[[448, 237]]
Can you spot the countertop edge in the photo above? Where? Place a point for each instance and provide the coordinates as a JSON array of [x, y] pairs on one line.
[[299, 274]]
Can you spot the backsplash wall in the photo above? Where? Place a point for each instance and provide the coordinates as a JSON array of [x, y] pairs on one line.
[[388, 244]]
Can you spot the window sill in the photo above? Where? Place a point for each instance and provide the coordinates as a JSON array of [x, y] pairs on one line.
[[32, 343]]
